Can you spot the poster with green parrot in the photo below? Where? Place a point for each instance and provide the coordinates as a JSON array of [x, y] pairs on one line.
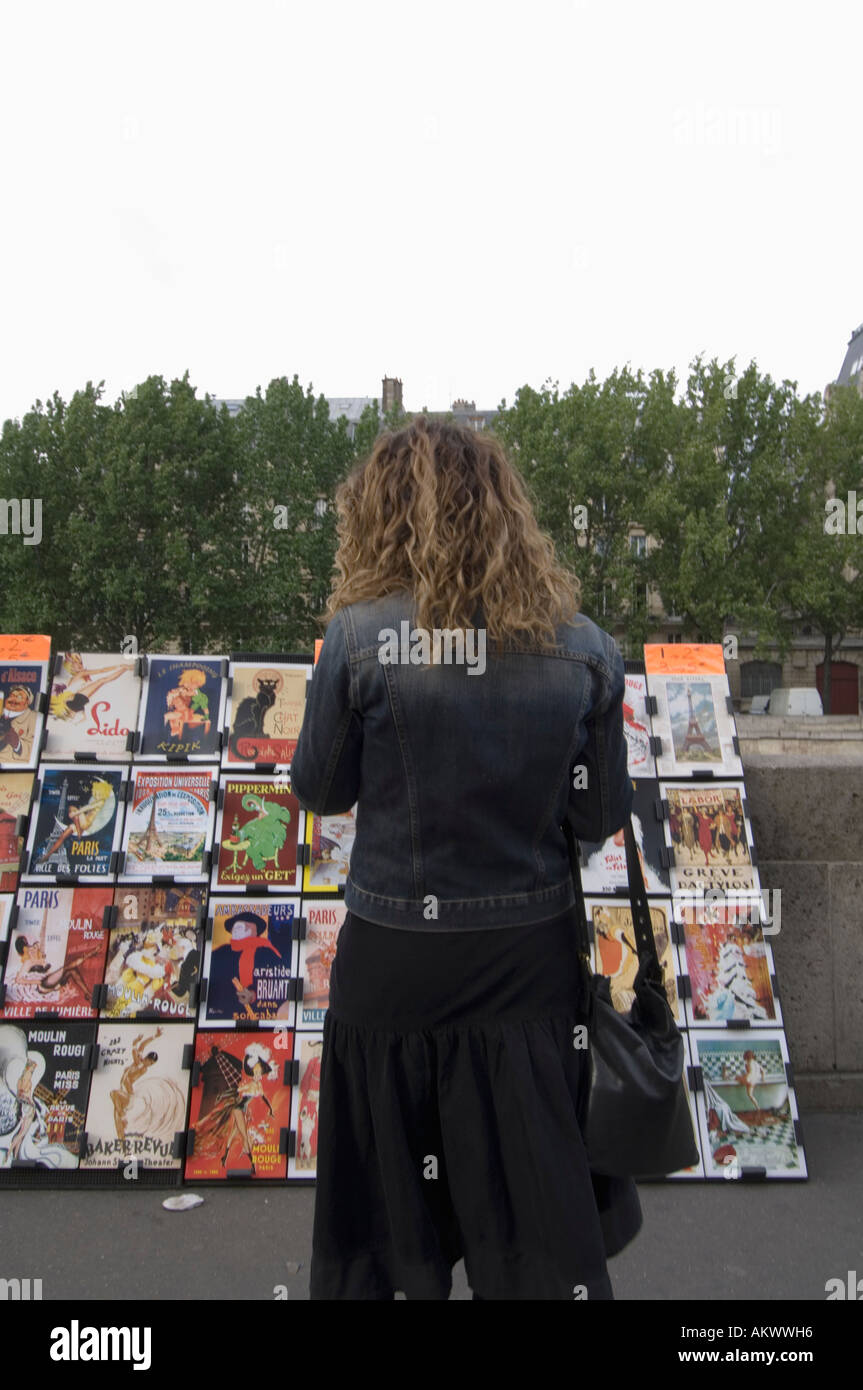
[[257, 834]]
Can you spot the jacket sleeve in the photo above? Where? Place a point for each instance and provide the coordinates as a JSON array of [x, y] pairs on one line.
[[325, 772], [601, 807]]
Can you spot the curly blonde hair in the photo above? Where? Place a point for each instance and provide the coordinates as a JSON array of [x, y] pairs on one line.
[[438, 509]]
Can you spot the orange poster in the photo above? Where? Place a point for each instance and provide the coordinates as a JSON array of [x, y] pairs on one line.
[[683, 658], [24, 646]]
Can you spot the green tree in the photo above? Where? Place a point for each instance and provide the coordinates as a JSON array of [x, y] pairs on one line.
[[150, 511], [589, 459], [727, 502], [371, 423], [48, 457], [290, 456], [825, 584]]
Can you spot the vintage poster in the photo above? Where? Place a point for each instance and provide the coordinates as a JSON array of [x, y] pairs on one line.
[[169, 823], [257, 834], [324, 921], [24, 646], [683, 658], [265, 712], [695, 730], [75, 828], [747, 1108], [250, 963], [138, 1095], [154, 952], [636, 727], [615, 955], [93, 706], [603, 866], [7, 901], [241, 1105], [16, 795], [182, 708], [710, 838], [56, 953], [304, 1116], [729, 965], [330, 840], [44, 1083], [21, 720]]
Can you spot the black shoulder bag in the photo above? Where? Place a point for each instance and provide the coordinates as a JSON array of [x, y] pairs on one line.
[[639, 1123]]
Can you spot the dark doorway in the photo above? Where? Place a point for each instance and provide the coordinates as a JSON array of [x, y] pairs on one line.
[[844, 686]]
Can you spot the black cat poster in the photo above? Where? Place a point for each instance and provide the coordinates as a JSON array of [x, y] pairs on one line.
[[265, 712]]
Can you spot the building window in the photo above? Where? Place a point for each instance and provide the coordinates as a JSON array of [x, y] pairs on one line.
[[639, 597], [759, 678], [638, 545]]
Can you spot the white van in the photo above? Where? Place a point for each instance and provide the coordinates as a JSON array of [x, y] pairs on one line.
[[758, 704], [795, 700]]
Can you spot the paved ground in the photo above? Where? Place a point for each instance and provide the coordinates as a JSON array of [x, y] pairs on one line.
[[769, 1241]]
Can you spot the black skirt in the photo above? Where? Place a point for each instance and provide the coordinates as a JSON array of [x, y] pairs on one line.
[[449, 1122]]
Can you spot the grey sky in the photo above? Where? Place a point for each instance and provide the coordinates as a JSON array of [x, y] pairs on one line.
[[469, 196]]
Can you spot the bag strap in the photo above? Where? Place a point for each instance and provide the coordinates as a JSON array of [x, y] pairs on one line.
[[648, 957], [645, 945], [582, 940]]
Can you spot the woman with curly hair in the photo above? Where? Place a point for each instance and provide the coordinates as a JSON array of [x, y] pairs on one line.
[[468, 709]]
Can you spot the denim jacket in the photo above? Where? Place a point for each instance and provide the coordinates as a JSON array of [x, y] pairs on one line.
[[462, 776]]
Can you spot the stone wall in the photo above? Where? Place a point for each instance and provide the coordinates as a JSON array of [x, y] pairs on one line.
[[805, 791]]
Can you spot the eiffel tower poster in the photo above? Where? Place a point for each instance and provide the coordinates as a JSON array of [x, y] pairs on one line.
[[693, 721], [694, 736], [55, 859], [153, 846], [75, 828]]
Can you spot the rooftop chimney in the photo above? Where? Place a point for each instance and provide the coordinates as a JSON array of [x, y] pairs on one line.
[[391, 393]]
